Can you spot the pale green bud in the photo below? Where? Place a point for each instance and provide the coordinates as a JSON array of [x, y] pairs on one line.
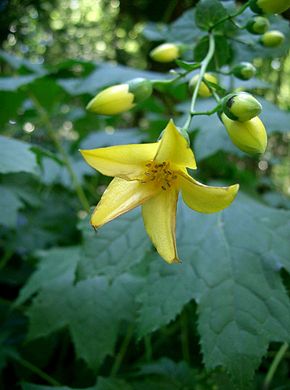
[[269, 6], [120, 98], [167, 52], [241, 106], [258, 25], [203, 91], [244, 71], [249, 136], [272, 38]]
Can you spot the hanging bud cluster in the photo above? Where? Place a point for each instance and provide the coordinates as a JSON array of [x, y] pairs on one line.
[[203, 91], [258, 25], [244, 71], [120, 98], [240, 117], [269, 6], [272, 38], [167, 52]]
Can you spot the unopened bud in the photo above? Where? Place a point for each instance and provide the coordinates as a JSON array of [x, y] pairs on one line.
[[272, 38], [269, 6], [258, 25], [244, 71], [166, 52], [120, 98], [249, 136], [203, 91], [241, 106]]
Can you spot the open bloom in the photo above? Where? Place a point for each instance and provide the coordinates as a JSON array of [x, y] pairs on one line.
[[152, 175]]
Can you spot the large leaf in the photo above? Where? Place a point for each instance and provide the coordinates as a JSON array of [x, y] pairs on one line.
[[91, 309], [208, 13], [115, 248], [15, 156], [9, 206], [231, 264]]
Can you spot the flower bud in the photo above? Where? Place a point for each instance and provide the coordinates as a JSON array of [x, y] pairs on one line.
[[166, 52], [244, 71], [272, 38], [120, 98], [258, 25], [269, 6], [249, 136], [203, 91], [241, 106]]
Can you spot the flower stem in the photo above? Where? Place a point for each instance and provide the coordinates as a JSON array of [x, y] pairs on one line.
[[46, 121], [203, 68], [34, 369], [270, 374], [230, 17], [122, 351]]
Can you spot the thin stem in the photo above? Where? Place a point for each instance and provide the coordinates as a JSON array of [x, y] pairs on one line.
[[203, 68], [34, 369], [148, 348], [210, 112], [230, 17], [184, 336], [46, 121], [275, 363], [122, 351]]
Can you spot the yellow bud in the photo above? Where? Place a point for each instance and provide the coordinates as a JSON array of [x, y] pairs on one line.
[[203, 91], [166, 52], [249, 136], [272, 38], [269, 6]]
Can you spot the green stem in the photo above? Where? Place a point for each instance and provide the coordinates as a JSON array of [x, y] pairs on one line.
[[46, 121], [184, 336], [203, 68], [148, 348], [271, 372], [122, 351], [210, 112], [230, 17], [34, 369]]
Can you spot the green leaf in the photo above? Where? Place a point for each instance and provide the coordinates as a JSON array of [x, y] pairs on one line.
[[57, 263], [92, 310], [231, 264], [15, 156], [208, 13], [186, 65], [9, 206], [102, 384], [222, 55], [115, 248]]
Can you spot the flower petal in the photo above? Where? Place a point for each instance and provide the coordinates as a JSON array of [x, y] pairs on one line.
[[125, 161], [174, 148], [159, 214], [205, 199], [121, 196]]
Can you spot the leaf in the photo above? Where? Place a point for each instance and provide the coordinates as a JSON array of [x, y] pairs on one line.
[[117, 137], [13, 83], [208, 13], [15, 156], [115, 248], [9, 206], [186, 65], [102, 384], [222, 55], [91, 309], [231, 264], [57, 263]]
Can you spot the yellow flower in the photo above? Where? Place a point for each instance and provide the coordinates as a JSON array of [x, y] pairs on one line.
[[152, 175]]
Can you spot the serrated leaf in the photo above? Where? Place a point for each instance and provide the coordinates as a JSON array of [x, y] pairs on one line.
[[15, 156], [91, 309], [231, 264], [115, 248], [57, 263], [208, 13]]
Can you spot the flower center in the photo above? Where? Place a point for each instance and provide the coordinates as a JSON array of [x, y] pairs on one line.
[[160, 174]]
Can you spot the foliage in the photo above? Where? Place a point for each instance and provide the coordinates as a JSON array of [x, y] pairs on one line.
[[101, 310]]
